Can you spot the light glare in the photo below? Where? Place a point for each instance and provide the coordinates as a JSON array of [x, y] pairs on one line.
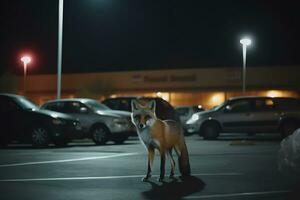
[[26, 59], [274, 93], [245, 41]]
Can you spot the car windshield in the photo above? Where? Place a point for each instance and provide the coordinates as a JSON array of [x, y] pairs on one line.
[[219, 106], [26, 104], [95, 105]]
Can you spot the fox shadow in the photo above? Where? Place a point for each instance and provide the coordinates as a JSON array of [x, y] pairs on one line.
[[176, 189]]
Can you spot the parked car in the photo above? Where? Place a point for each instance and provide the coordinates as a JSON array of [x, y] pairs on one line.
[[98, 121], [164, 110], [23, 121], [247, 115], [186, 112]]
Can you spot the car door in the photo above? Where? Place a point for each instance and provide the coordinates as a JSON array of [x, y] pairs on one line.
[[81, 112], [237, 116], [265, 117]]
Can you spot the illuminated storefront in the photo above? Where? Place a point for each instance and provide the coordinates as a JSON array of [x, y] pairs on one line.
[[205, 86]]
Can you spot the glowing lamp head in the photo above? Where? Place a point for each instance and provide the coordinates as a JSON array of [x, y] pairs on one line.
[[26, 59], [245, 41]]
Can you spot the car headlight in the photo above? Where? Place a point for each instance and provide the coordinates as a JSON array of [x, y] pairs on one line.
[[58, 121], [193, 119]]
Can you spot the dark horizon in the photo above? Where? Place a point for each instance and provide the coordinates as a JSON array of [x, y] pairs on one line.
[[116, 35]]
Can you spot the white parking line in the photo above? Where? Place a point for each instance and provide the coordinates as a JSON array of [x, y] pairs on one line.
[[245, 194], [67, 160], [106, 177]]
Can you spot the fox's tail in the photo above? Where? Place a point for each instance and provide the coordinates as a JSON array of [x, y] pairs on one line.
[[183, 160]]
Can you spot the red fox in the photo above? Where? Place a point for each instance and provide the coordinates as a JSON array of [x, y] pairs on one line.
[[161, 135]]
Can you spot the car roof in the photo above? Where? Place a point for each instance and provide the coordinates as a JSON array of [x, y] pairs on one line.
[[283, 98], [11, 95], [249, 97], [124, 97], [261, 97], [82, 100], [132, 97]]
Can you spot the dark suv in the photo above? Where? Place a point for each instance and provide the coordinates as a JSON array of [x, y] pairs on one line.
[[23, 121], [247, 115], [163, 110]]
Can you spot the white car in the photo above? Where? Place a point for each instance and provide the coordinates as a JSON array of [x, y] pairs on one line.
[[97, 120]]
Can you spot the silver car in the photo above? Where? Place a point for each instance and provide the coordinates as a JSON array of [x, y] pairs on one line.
[[247, 115], [97, 120]]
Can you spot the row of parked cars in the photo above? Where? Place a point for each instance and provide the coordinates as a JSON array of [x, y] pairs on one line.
[[60, 121]]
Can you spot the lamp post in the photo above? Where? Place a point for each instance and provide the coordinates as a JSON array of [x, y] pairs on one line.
[[245, 42], [25, 60], [59, 54]]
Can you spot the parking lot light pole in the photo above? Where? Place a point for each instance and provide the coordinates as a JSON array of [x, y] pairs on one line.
[[59, 54], [245, 42], [25, 60]]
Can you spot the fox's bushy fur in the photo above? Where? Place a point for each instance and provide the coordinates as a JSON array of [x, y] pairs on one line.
[[161, 135]]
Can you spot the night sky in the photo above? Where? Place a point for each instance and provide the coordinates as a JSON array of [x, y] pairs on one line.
[[118, 35]]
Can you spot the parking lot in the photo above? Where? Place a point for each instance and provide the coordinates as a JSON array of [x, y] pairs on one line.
[[227, 168]]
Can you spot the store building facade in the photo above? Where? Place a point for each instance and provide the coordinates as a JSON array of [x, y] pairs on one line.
[[203, 86]]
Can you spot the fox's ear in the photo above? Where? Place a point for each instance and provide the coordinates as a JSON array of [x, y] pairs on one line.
[[134, 105], [152, 105]]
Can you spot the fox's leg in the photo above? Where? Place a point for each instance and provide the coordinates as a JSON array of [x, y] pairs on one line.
[[172, 163], [162, 165], [151, 154], [177, 150]]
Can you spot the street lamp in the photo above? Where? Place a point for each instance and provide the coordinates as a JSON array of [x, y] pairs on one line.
[[25, 60], [245, 42], [59, 54]]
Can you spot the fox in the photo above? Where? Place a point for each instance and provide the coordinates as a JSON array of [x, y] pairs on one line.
[[162, 135]]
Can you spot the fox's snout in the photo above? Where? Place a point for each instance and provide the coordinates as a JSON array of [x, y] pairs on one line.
[[141, 126], [142, 121]]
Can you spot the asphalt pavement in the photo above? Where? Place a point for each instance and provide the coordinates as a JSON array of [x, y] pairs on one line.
[[232, 167]]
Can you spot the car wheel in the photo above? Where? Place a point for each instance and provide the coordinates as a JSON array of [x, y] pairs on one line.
[[100, 134], [210, 131], [39, 136], [287, 128], [120, 139]]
